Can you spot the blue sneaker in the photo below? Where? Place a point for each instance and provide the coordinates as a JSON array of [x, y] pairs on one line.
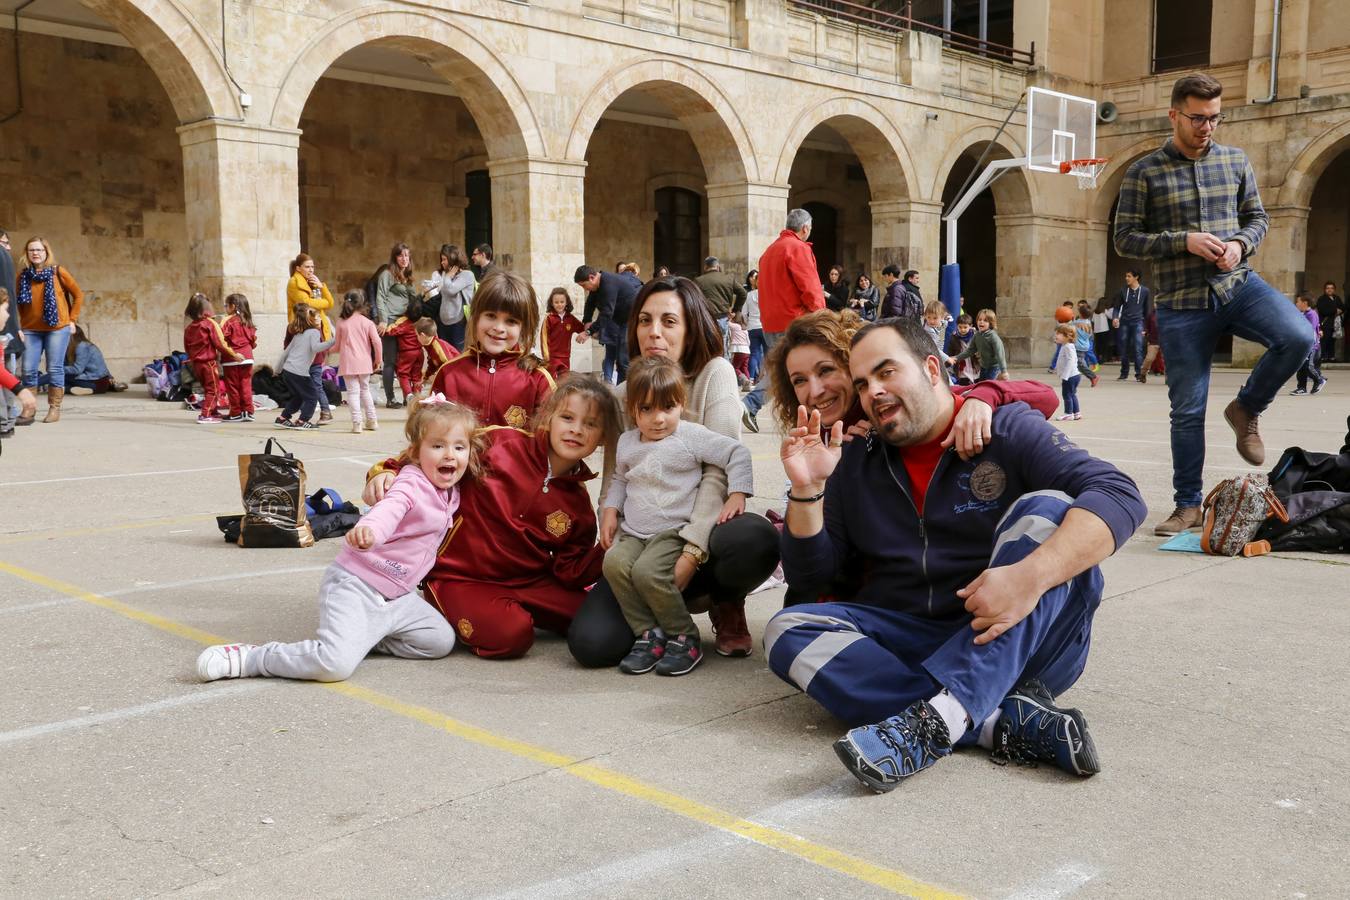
[[646, 653], [880, 755], [1032, 729]]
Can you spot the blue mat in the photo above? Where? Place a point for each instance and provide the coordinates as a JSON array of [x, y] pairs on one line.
[[1186, 542]]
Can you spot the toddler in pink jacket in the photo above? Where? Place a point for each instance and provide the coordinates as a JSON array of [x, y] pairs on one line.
[[369, 599], [358, 347]]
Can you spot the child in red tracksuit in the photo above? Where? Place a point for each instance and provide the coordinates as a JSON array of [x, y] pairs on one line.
[[409, 366], [521, 551], [242, 337], [555, 340], [438, 350], [497, 376], [205, 345]]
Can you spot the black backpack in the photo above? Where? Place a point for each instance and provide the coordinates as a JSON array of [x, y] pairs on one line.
[[1315, 490], [372, 288]]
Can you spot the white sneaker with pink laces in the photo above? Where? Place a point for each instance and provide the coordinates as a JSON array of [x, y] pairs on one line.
[[223, 661]]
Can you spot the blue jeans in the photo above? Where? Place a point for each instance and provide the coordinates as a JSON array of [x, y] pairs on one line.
[[303, 396], [53, 344], [1132, 346], [991, 373], [1256, 312], [755, 400], [725, 328], [1069, 389], [865, 663], [757, 350], [616, 360], [316, 376]]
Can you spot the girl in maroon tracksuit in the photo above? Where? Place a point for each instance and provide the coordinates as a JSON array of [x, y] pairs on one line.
[[497, 577], [205, 345], [242, 337], [497, 376], [555, 339]]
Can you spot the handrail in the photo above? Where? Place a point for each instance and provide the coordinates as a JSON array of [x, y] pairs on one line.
[[897, 22]]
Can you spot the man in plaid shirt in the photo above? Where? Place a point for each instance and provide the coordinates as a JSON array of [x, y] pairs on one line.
[[1193, 209]]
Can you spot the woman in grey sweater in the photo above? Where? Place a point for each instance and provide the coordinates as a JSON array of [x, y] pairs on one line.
[[304, 341], [449, 291]]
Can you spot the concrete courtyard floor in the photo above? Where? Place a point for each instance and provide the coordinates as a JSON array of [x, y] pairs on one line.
[[1216, 693]]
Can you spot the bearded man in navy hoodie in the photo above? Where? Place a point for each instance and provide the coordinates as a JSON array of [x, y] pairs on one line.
[[977, 579]]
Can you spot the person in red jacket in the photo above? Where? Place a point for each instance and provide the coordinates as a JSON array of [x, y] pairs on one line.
[[437, 349], [242, 337], [498, 577], [205, 345], [497, 376], [555, 340], [410, 364], [789, 286]]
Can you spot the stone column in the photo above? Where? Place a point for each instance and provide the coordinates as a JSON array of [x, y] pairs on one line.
[[1280, 261], [906, 232], [743, 219], [538, 219], [241, 186], [1042, 261]]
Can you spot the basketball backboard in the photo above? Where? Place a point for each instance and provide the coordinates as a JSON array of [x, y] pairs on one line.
[[1060, 127]]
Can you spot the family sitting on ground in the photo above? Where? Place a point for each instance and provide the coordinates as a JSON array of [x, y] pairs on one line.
[[940, 545]]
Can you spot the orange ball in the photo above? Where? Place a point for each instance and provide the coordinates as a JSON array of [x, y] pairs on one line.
[[1064, 314]]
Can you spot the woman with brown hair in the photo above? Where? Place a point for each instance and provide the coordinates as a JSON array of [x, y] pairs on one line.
[[49, 303], [452, 286], [394, 290], [720, 564]]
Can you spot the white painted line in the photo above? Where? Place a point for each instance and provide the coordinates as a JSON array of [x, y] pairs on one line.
[[130, 712], [1065, 880], [5, 484], [693, 851], [166, 585]]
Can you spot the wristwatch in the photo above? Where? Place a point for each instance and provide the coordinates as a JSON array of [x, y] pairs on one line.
[[699, 555]]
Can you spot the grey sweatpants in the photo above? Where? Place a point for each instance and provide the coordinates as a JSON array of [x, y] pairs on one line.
[[355, 619]]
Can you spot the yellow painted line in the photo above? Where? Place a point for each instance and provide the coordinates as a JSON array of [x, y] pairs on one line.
[[764, 835], [102, 529]]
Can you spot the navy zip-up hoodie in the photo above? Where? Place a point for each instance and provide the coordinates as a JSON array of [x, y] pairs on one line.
[[916, 564]]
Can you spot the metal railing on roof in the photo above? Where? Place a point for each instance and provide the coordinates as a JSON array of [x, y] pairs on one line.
[[886, 20]]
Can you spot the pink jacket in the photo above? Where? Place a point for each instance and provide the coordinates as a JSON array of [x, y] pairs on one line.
[[358, 346], [409, 525]]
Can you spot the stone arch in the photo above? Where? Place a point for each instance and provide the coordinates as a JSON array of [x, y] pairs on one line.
[[1108, 183], [690, 181], [879, 147], [494, 98], [180, 54], [1014, 193], [1308, 167], [722, 140]]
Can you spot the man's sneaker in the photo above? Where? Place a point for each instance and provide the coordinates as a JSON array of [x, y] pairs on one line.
[[304, 424], [732, 634], [1320, 384], [880, 755], [283, 422], [646, 653], [1297, 391], [1182, 519], [1244, 425], [223, 661], [242, 417], [681, 654], [748, 421], [1032, 729], [208, 420]]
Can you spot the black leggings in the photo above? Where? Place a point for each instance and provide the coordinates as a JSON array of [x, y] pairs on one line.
[[741, 554], [389, 350]]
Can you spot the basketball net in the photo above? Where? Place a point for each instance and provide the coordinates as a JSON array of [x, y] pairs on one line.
[[1085, 170]]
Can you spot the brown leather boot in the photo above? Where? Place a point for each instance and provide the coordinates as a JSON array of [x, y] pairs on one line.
[[1182, 519], [1244, 425], [54, 397]]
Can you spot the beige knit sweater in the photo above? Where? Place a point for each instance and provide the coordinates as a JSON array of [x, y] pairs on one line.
[[715, 403]]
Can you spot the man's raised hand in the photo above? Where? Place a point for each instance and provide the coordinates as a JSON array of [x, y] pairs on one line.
[[807, 459]]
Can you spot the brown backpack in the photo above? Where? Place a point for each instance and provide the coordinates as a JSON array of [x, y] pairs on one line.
[[1234, 511]]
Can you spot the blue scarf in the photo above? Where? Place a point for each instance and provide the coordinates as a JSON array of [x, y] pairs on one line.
[[48, 278]]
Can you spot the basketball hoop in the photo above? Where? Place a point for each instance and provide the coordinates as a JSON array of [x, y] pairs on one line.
[[1085, 170]]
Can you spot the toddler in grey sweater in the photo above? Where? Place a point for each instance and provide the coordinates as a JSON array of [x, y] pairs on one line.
[[658, 467]]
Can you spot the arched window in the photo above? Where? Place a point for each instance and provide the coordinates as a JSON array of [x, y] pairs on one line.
[[677, 238]]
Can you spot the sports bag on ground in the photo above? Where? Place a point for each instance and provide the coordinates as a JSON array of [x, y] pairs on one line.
[[1315, 490], [273, 486], [1234, 511]]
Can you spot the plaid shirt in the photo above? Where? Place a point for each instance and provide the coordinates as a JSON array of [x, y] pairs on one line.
[[1165, 196]]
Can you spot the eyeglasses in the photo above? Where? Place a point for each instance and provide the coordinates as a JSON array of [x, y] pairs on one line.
[[1213, 121]]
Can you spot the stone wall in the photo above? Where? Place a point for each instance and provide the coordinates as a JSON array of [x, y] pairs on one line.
[[380, 165], [93, 164]]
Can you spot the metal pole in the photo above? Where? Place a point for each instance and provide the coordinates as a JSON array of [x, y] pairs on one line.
[[993, 171], [984, 25]]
